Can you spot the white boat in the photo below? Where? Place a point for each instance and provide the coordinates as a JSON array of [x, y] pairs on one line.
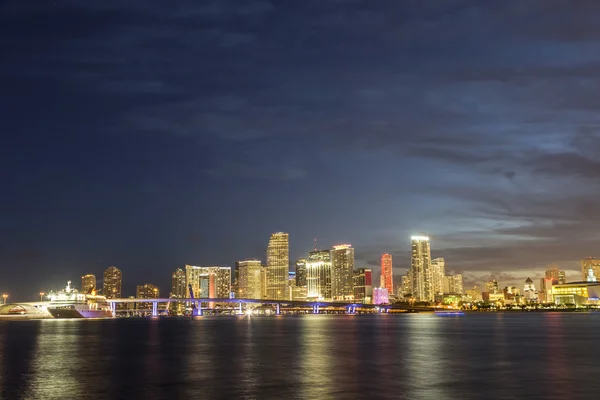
[[69, 303]]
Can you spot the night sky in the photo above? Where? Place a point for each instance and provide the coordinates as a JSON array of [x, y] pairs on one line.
[[152, 134]]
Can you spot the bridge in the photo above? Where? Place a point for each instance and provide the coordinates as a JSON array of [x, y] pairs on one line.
[[351, 307]]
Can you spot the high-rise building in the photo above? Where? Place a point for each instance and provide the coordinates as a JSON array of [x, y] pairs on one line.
[[562, 277], [363, 285], [406, 284], [342, 271], [301, 272], [318, 275], [178, 287], [552, 273], [146, 291], [113, 281], [586, 264], [263, 282], [529, 291], [438, 271], [88, 283], [545, 293], [278, 265], [387, 274], [420, 269], [453, 284], [492, 286], [209, 282], [250, 284]]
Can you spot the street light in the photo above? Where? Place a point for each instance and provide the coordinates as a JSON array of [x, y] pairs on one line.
[[4, 296], [42, 296]]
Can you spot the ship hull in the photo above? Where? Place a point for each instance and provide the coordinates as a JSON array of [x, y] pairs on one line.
[[75, 312]]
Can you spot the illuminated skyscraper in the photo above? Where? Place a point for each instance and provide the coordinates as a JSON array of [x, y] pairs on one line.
[[386, 273], [492, 286], [278, 265], [438, 271], [250, 285], [342, 271], [562, 277], [406, 284], [529, 291], [178, 287], [318, 275], [301, 272], [113, 281], [363, 285], [586, 264], [88, 283], [420, 269], [209, 282], [146, 291], [453, 284]]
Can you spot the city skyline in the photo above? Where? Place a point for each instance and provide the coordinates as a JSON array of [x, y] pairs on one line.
[[120, 152]]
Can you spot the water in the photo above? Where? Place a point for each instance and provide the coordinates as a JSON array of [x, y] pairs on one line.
[[421, 356]]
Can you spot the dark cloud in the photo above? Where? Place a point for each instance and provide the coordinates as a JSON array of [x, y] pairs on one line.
[[475, 122]]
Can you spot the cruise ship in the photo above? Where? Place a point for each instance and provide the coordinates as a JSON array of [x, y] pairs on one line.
[[69, 303]]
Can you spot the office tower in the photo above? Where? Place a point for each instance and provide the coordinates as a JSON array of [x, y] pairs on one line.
[[88, 283], [552, 273], [387, 273], [178, 287], [146, 291], [438, 271], [363, 285], [342, 270], [529, 291], [420, 269], [474, 294], [113, 281], [301, 272], [546, 284], [380, 296], [492, 286], [586, 264], [406, 284], [562, 277], [209, 282], [250, 284], [591, 277], [263, 282], [278, 265], [453, 284], [318, 275]]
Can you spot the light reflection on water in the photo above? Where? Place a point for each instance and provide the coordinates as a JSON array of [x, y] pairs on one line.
[[491, 356]]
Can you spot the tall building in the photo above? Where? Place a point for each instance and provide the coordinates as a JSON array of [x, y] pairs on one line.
[[363, 285], [301, 272], [113, 282], [209, 282], [278, 265], [586, 264], [387, 274], [406, 284], [453, 284], [438, 271], [88, 283], [529, 291], [342, 271], [545, 293], [146, 291], [178, 287], [318, 275], [562, 277], [250, 283], [263, 282], [492, 286], [420, 269], [552, 273]]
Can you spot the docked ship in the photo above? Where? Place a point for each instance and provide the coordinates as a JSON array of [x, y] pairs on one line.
[[69, 303]]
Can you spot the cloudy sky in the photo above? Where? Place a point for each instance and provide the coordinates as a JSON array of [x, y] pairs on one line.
[[153, 134]]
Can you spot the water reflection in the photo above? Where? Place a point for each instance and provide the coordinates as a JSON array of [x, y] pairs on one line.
[[18, 346]]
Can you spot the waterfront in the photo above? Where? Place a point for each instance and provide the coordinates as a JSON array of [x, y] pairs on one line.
[[416, 356]]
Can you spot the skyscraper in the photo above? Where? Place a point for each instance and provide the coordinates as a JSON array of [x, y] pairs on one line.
[[342, 271], [301, 272], [386, 273], [438, 271], [250, 285], [209, 282], [420, 269], [586, 264], [562, 277], [363, 285], [113, 281], [492, 286], [178, 287], [318, 275], [88, 283], [278, 265], [146, 291], [406, 284], [453, 284]]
